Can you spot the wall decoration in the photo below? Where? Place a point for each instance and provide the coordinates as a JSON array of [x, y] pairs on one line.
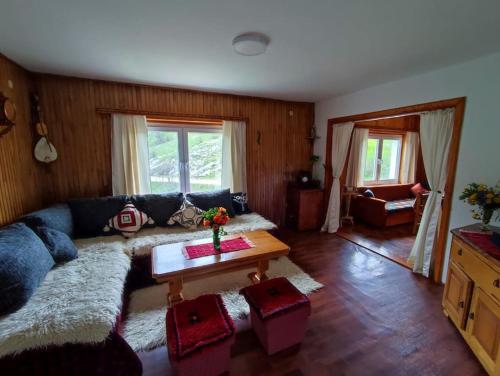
[[44, 150], [7, 114]]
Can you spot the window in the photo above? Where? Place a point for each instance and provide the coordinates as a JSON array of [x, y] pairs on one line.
[[383, 155], [184, 158]]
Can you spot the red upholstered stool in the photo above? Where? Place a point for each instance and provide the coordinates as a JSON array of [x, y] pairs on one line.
[[199, 336], [278, 312]]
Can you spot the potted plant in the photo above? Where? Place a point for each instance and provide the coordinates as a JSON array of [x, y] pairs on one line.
[[216, 218], [487, 199]]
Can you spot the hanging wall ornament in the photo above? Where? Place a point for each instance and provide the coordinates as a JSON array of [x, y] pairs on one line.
[[44, 150]]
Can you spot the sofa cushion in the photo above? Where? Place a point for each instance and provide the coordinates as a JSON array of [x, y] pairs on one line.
[[368, 193], [398, 205], [188, 216], [59, 245], [240, 204], [128, 221], [57, 217], [160, 207], [212, 199], [24, 262], [90, 215]]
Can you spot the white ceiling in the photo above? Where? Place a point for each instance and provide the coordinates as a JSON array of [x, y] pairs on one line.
[[318, 48]]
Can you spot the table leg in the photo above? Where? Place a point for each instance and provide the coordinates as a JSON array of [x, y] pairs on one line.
[[175, 292], [260, 274]]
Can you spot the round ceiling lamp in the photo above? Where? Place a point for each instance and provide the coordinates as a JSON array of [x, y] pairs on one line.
[[251, 44]]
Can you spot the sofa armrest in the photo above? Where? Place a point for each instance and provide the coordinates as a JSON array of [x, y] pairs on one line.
[[370, 210]]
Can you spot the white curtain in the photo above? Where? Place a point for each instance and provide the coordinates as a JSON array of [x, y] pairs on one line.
[[409, 158], [435, 132], [129, 155], [341, 136], [357, 157], [234, 161]]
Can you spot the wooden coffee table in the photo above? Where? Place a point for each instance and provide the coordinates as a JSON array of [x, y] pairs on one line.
[[171, 266]]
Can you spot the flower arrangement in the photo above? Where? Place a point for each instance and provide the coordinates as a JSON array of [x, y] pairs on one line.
[[216, 218], [486, 198]]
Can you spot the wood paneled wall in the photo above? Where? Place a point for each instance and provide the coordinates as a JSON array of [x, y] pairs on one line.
[[83, 137], [21, 184]]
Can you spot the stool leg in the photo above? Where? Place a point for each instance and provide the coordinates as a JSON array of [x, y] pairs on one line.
[[260, 274], [175, 292]]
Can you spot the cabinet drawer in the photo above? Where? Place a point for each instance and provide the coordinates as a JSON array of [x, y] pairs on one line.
[[482, 274]]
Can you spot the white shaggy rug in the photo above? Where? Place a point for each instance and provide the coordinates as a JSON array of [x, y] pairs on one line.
[[145, 325]]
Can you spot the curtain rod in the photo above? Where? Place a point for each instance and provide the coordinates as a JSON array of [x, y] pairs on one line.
[[172, 115], [399, 115]]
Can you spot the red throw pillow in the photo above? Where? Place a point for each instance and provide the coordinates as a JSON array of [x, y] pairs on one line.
[[417, 189], [128, 221]]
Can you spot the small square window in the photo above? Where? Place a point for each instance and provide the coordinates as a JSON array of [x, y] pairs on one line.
[[383, 156]]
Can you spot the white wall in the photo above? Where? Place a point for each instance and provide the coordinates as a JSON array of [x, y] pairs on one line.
[[479, 153]]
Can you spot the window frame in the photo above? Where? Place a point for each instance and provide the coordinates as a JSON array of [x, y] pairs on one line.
[[182, 131], [381, 137]]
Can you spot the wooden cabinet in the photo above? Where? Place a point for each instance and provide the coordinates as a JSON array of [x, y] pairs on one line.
[[471, 299], [483, 329], [457, 295], [304, 208]]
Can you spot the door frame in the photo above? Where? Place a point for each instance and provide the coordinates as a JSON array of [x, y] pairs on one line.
[[458, 104]]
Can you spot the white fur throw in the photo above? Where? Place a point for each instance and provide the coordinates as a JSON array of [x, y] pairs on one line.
[[146, 239], [78, 302]]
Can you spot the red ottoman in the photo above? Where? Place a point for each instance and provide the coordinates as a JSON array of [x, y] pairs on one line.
[[199, 336], [278, 312]]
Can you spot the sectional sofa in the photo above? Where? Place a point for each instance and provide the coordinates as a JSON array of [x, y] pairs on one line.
[[70, 322]]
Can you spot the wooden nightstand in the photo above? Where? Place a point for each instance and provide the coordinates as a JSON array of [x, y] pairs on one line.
[[304, 208]]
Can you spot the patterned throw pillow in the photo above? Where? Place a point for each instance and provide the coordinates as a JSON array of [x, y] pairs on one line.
[[240, 204], [188, 216], [128, 221]]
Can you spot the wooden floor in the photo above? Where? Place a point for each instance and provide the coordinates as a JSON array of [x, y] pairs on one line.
[[393, 242], [373, 317]]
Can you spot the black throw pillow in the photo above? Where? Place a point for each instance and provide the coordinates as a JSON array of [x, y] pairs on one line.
[[160, 207], [368, 193], [60, 246], [24, 263], [90, 215], [240, 204], [212, 199]]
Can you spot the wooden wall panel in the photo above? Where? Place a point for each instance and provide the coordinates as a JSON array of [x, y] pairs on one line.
[[21, 188], [83, 136]]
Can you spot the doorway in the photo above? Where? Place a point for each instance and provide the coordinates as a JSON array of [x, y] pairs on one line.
[[391, 116]]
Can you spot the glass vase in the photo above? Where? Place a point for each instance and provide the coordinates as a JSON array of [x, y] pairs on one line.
[[485, 221], [216, 239]]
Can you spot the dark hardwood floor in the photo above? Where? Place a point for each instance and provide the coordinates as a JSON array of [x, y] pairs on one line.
[[373, 317], [393, 242]]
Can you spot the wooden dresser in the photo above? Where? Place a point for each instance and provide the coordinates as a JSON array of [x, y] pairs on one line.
[[471, 299], [304, 208]]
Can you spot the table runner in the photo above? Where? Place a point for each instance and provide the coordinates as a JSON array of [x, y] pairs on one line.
[[207, 249]]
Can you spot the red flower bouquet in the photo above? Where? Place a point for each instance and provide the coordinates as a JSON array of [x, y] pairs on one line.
[[216, 218]]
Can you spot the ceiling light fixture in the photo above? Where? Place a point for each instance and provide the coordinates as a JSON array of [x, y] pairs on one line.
[[251, 44]]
